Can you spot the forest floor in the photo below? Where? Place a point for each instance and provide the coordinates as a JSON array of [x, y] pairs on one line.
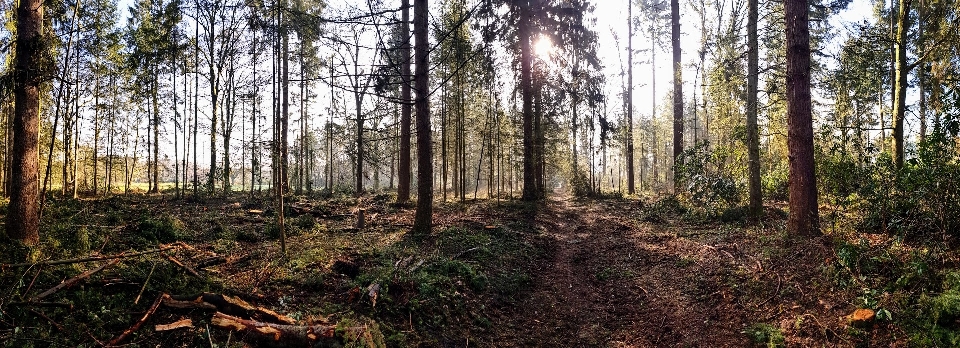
[[564, 272]]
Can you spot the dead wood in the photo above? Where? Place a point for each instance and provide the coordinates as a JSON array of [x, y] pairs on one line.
[[136, 326], [179, 324], [227, 304], [122, 255], [282, 332], [212, 261], [177, 262], [72, 281], [44, 316], [68, 306]]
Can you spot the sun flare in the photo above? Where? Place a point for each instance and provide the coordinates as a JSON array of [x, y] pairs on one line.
[[543, 47]]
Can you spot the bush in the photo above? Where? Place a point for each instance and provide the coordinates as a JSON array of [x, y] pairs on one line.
[[701, 183], [921, 199]]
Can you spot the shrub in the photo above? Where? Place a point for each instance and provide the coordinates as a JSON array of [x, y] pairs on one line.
[[701, 182]]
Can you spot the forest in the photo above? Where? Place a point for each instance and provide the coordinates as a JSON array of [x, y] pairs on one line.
[[494, 173]]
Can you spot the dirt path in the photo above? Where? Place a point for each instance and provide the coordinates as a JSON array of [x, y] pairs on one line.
[[612, 281]]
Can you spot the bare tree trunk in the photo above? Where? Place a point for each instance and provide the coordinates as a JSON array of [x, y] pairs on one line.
[[753, 134], [403, 186], [23, 216], [631, 185], [156, 138], [424, 215], [677, 84], [900, 83], [526, 77], [804, 218]]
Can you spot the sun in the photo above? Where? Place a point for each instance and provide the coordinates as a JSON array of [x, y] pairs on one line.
[[543, 47]]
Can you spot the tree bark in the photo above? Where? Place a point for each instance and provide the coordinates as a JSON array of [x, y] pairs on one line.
[[901, 80], [526, 77], [753, 134], [677, 84], [23, 217], [403, 185], [631, 184], [804, 218], [424, 214]]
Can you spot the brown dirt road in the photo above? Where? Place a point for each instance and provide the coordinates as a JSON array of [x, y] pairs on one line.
[[612, 280]]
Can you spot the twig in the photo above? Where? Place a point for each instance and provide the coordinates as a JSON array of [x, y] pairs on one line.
[[177, 262], [43, 304], [73, 280], [775, 293], [122, 255], [136, 326], [30, 287], [44, 316], [144, 287]]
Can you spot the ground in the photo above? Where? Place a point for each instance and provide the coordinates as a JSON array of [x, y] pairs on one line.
[[563, 272]]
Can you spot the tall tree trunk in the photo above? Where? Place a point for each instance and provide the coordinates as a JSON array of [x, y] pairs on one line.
[[804, 217], [214, 103], [753, 134], [155, 102], [526, 80], [229, 113], [196, 93], [424, 214], [631, 185], [285, 112], [403, 185], [901, 81], [677, 85], [23, 214]]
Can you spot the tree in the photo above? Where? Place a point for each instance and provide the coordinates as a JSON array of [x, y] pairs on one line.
[[23, 214], [403, 176], [677, 82], [804, 217], [901, 70], [424, 214], [753, 133], [631, 186]]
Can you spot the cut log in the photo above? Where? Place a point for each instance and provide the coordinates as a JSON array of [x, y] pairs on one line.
[[281, 332], [230, 305], [74, 280], [861, 317], [360, 218]]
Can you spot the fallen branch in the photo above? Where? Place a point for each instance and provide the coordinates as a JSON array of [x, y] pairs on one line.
[[227, 304], [177, 262], [278, 332], [68, 306], [122, 255], [136, 326], [179, 324], [74, 280], [44, 316]]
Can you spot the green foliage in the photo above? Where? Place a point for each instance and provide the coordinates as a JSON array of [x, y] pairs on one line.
[[165, 228], [663, 208], [701, 181], [920, 200], [776, 183], [765, 334]]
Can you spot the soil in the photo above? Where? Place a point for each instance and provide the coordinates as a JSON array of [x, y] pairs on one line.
[[612, 281], [602, 273]]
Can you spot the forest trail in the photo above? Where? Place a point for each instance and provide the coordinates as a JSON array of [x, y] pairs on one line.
[[612, 281]]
